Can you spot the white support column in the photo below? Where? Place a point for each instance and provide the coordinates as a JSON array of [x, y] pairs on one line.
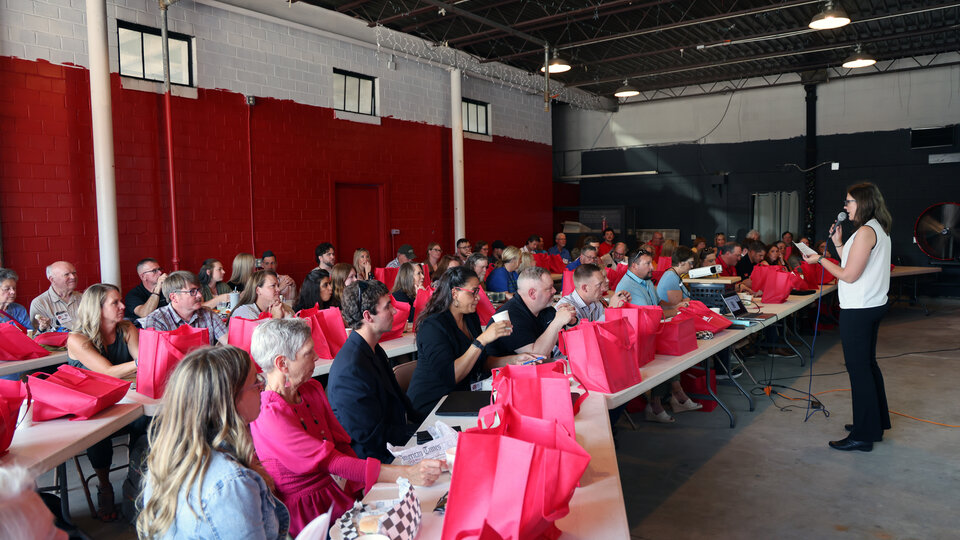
[[104, 170], [456, 129]]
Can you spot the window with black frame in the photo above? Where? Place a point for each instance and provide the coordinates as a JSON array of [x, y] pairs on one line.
[[474, 114], [353, 92], [141, 54]]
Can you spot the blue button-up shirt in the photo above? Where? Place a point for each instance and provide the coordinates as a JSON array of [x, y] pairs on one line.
[[642, 291]]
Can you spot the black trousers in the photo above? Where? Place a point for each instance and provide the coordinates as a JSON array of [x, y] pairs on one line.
[[101, 453], [858, 332]]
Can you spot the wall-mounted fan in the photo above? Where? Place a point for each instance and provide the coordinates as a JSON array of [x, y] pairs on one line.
[[937, 231]]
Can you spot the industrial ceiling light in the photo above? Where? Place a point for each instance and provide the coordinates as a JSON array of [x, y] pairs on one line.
[[557, 64], [831, 17], [859, 59], [626, 91]]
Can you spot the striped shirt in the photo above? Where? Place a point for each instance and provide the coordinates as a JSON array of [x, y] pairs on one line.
[[166, 319]]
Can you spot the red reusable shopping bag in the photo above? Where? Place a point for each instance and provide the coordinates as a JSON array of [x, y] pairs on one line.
[[52, 339], [399, 320], [694, 381], [426, 275], [241, 330], [485, 309], [553, 263], [386, 276], [521, 478], [664, 263], [334, 329], [320, 345], [758, 276], [15, 345], [603, 355], [12, 394], [615, 274], [813, 273], [568, 285], [420, 302], [541, 393], [777, 287], [160, 352], [677, 337], [645, 322], [73, 391], [702, 317]]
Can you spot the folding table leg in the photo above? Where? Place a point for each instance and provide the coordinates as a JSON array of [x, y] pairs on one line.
[[715, 397], [735, 383]]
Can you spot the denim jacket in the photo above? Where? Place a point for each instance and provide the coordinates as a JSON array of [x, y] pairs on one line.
[[235, 504]]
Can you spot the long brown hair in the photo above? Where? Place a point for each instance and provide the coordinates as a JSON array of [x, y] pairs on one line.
[[870, 205]]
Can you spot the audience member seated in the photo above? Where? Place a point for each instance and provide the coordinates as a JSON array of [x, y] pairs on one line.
[[536, 324], [262, 295], [409, 281], [719, 240], [531, 246], [699, 244], [464, 250], [288, 287], [670, 288], [482, 248], [434, 254], [404, 255], [56, 308], [317, 290], [182, 291], [588, 255], [616, 256], [363, 391], [343, 274], [728, 256], [146, 297], [774, 257], [804, 240], [361, 261], [609, 235], [669, 246], [214, 289], [821, 248], [478, 263], [446, 262], [560, 247], [496, 251], [590, 284], [104, 342], [752, 235], [451, 341], [244, 265], [203, 478], [526, 261], [787, 248], [325, 256], [754, 256], [708, 257], [23, 514], [10, 311], [503, 278], [298, 438], [638, 282], [656, 244]]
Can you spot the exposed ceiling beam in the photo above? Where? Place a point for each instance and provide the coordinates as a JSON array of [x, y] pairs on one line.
[[483, 20], [420, 24], [351, 5]]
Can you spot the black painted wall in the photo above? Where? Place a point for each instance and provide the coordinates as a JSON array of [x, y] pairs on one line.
[[703, 189]]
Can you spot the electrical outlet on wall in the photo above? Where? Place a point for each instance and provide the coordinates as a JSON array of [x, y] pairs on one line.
[[394, 232]]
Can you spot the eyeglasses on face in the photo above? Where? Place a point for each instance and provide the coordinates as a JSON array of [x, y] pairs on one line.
[[848, 201], [191, 292], [156, 270], [471, 291]]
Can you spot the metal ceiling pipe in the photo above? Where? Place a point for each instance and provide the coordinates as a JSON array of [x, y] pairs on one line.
[[168, 130], [429, 9], [483, 20], [103, 163], [456, 151]]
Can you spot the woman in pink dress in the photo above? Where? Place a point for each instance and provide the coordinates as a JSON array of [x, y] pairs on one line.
[[299, 440]]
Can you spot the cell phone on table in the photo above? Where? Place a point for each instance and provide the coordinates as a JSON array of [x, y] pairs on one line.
[[425, 437]]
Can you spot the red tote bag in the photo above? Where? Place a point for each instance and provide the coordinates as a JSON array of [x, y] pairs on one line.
[[603, 355], [15, 345], [645, 322], [426, 275], [420, 302], [386, 276], [52, 339], [813, 273], [553, 263], [485, 309], [334, 329], [664, 263], [758, 276], [73, 391], [240, 333], [12, 394], [567, 286], [615, 274], [703, 318], [399, 320], [777, 287], [160, 352], [530, 395], [521, 478], [320, 345], [677, 337]]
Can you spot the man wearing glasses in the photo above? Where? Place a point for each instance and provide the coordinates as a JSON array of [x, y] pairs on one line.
[[182, 290], [588, 255], [147, 296], [464, 250]]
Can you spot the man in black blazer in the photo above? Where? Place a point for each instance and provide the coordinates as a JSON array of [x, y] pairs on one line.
[[363, 391]]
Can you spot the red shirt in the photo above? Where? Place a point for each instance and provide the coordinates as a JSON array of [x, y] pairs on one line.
[[730, 271], [604, 249]]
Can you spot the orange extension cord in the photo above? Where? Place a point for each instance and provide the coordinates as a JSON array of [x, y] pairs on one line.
[[767, 390]]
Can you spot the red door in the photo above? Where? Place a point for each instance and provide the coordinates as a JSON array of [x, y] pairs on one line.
[[360, 214]]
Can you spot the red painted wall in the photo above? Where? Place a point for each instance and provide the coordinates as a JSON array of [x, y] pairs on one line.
[[48, 205]]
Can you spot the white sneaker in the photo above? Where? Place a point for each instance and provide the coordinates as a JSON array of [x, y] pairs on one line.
[[689, 405]]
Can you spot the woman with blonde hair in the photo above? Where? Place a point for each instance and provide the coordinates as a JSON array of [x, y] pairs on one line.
[[104, 342], [262, 295], [203, 477], [361, 261], [526, 261], [241, 269], [342, 275]]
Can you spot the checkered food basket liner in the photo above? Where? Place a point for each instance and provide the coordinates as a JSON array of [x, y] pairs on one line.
[[400, 518]]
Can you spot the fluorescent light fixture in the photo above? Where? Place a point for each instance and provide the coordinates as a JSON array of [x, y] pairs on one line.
[[557, 65], [859, 59], [831, 17], [626, 91]]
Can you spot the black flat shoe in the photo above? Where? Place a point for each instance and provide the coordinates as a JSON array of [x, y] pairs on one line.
[[849, 444]]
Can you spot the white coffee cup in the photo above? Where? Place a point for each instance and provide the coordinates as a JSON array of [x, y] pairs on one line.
[[451, 456], [501, 316]]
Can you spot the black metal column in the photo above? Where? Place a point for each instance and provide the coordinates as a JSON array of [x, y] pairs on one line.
[[810, 177]]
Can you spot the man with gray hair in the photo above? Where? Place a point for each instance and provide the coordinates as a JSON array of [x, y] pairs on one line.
[[57, 307], [182, 290], [23, 513], [536, 325], [588, 255], [147, 296]]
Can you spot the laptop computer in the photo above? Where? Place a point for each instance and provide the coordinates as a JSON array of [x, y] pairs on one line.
[[739, 312]]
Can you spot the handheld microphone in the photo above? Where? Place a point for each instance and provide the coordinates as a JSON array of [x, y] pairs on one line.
[[842, 216]]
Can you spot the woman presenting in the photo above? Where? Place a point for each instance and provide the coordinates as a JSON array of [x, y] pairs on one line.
[[863, 278]]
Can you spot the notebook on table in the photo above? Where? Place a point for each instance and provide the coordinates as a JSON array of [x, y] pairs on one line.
[[463, 403]]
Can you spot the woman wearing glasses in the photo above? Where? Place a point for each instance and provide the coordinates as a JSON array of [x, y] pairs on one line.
[[434, 254], [863, 281], [203, 478], [450, 343], [105, 343]]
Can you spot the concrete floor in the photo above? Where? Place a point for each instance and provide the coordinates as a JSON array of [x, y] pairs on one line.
[[773, 476]]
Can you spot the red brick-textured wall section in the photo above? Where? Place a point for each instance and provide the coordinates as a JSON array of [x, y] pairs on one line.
[[47, 193]]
